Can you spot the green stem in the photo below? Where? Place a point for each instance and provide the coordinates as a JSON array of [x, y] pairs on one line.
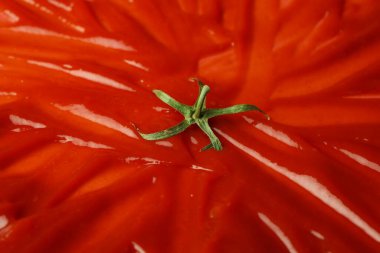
[[182, 108], [200, 103], [197, 114], [203, 124], [167, 132], [210, 113]]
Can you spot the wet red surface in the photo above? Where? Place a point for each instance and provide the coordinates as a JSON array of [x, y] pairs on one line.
[[75, 176]]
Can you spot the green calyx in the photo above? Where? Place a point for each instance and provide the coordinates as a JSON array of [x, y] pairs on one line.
[[197, 114]]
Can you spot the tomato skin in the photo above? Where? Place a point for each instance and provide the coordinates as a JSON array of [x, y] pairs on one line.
[[77, 77]]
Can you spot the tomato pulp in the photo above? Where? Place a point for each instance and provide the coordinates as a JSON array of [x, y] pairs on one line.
[[76, 76]]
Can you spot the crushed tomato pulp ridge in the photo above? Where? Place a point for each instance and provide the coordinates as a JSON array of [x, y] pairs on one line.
[[76, 76]]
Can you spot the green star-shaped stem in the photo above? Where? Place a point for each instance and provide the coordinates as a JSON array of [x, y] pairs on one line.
[[197, 114]]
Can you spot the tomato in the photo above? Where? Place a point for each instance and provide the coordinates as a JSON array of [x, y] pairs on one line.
[[77, 76]]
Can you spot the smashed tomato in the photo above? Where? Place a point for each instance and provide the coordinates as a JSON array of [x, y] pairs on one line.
[[77, 75]]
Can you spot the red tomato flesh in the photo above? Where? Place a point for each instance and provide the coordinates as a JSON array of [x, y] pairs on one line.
[[77, 75]]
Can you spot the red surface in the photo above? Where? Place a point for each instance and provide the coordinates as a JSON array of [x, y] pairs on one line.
[[76, 75]]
